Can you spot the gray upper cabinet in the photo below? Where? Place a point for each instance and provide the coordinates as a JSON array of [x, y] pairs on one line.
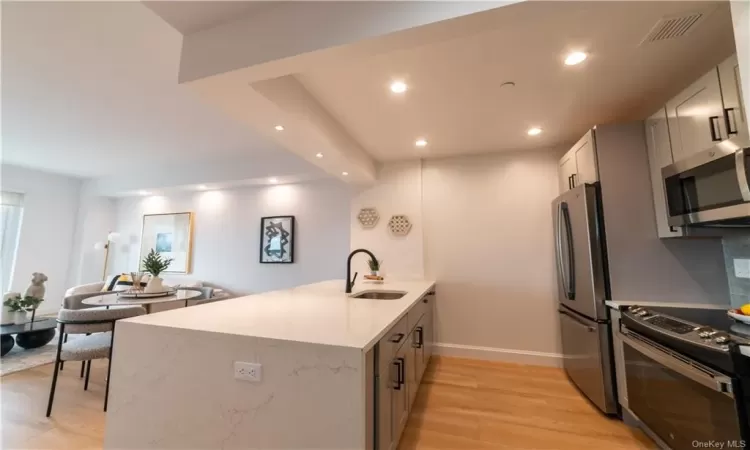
[[735, 115], [579, 165], [696, 117], [585, 152], [660, 155], [567, 170]]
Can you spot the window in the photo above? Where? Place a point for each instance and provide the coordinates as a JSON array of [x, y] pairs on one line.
[[11, 210]]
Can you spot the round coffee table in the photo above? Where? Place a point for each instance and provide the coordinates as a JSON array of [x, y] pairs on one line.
[[115, 300], [28, 335]]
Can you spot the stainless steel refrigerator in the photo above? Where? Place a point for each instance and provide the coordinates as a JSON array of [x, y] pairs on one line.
[[583, 286]]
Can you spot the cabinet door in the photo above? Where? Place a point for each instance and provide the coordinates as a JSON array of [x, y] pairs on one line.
[[585, 156], [415, 361], [429, 328], [567, 170], [696, 117], [386, 381], [659, 156], [399, 392], [735, 115]]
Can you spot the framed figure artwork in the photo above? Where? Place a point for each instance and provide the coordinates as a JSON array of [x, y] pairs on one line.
[[170, 235], [277, 240]]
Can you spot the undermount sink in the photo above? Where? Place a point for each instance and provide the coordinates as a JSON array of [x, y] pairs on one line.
[[380, 295]]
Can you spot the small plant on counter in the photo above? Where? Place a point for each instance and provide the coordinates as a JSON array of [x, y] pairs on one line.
[[155, 264], [374, 264]]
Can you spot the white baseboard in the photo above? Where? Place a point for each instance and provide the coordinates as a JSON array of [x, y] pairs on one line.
[[500, 354]]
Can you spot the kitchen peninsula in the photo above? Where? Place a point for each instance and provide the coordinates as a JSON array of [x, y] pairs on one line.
[[328, 364]]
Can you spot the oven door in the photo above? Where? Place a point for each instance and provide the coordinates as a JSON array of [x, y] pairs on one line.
[[678, 399], [710, 187]]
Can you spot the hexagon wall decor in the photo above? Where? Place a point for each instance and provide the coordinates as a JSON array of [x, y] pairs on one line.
[[368, 217], [399, 225]]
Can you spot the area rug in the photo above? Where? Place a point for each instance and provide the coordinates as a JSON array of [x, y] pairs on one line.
[[19, 359]]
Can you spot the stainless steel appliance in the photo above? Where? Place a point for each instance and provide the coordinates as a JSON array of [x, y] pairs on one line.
[[710, 188], [583, 285], [685, 375]]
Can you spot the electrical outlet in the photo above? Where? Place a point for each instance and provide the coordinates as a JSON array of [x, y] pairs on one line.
[[742, 268], [248, 371]]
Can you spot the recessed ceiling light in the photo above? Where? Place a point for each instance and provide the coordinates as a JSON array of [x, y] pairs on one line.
[[144, 193], [273, 180], [202, 187], [318, 155], [398, 87], [344, 173], [575, 58], [279, 127], [420, 143], [534, 131]]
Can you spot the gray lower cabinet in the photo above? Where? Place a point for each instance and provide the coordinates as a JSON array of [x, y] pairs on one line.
[[403, 355], [400, 395]]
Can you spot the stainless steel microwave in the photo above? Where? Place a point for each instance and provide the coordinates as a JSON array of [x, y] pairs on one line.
[[710, 188]]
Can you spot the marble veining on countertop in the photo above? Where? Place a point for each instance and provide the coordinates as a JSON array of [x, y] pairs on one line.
[[319, 313]]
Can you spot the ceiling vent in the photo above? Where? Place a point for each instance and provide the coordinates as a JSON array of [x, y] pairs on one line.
[[674, 27]]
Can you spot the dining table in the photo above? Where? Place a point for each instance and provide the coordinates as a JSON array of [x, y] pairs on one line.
[[115, 299]]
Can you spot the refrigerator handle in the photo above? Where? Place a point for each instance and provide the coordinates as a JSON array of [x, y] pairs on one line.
[[558, 245], [576, 319], [570, 289]]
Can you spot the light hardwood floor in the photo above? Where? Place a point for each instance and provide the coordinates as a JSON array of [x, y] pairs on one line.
[[462, 404]]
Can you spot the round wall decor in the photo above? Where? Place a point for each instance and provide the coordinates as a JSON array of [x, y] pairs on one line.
[[399, 225]]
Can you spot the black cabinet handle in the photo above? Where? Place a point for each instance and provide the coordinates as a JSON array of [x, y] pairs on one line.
[[573, 177], [420, 337], [731, 124], [713, 123], [396, 338], [570, 182], [399, 363]]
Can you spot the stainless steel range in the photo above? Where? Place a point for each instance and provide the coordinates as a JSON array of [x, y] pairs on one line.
[[685, 375]]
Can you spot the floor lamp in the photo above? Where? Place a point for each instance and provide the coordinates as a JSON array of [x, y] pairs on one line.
[[111, 238]]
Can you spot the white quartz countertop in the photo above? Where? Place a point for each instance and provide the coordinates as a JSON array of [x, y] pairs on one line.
[[319, 313]]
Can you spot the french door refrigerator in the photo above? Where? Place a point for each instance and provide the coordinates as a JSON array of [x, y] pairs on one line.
[[582, 289]]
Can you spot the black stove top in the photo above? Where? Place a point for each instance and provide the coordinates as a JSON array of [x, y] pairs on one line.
[[706, 335]]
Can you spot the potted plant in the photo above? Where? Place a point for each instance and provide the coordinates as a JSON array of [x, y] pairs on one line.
[[17, 306], [155, 264], [11, 305], [374, 266]]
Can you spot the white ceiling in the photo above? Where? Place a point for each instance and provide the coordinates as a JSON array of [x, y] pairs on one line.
[[191, 16], [455, 99], [90, 89]]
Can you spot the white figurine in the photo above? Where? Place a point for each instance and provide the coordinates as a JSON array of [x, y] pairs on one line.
[[36, 288]]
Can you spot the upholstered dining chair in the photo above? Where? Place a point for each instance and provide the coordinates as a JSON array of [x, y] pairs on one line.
[[75, 301], [97, 329]]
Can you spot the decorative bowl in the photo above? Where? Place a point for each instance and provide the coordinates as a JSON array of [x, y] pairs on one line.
[[738, 317], [141, 294]]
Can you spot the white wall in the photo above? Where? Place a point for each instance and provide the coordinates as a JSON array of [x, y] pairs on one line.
[[226, 234], [482, 227], [398, 191], [488, 242], [46, 240], [95, 219]]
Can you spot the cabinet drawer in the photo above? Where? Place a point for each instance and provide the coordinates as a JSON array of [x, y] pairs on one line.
[[394, 338]]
